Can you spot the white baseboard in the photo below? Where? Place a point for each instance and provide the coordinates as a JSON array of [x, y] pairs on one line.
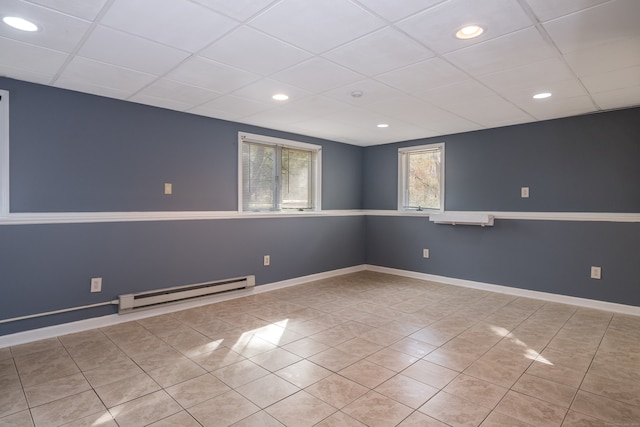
[[114, 319], [546, 296]]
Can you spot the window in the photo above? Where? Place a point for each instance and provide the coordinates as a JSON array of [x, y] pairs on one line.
[[277, 174], [4, 153], [421, 177]]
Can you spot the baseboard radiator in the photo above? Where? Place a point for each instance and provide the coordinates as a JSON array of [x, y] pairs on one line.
[[151, 299]]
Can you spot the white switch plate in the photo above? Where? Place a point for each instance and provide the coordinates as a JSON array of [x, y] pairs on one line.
[[267, 260], [524, 192], [596, 272], [425, 253], [168, 188], [96, 284]]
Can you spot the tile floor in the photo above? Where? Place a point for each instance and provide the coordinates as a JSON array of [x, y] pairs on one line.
[[362, 349]]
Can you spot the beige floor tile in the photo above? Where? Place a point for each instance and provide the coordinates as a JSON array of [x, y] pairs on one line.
[[5, 353], [546, 390], [496, 419], [576, 419], [430, 373], [36, 347], [456, 360], [367, 373], [334, 359], [100, 419], [300, 409], [499, 367], [127, 389], [240, 373], [276, 359], [305, 347], [337, 390], [418, 419], [359, 347], [375, 410], [217, 359], [407, 391], [55, 389], [454, 410], [413, 347], [181, 419], [252, 345], [145, 410], [259, 419], [9, 378], [303, 373], [67, 409], [605, 409], [267, 390], [223, 410], [339, 419], [392, 359], [11, 401], [19, 419], [44, 366], [381, 337], [476, 391], [531, 410], [626, 391], [196, 390], [154, 359], [112, 372], [183, 370]]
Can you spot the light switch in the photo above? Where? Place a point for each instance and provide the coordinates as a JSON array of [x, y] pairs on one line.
[[524, 192], [168, 188]]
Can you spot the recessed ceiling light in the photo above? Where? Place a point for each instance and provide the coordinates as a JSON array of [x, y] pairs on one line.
[[383, 125], [19, 23], [280, 97], [542, 95], [469, 32]]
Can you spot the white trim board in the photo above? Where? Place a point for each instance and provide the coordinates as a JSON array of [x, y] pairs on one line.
[[526, 293], [114, 319]]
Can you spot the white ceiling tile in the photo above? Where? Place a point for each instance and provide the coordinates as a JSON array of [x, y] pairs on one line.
[[423, 75], [178, 92], [80, 86], [57, 31], [490, 111], [450, 95], [168, 104], [88, 73], [593, 27], [304, 109], [543, 109], [198, 71], [607, 57], [372, 91], [317, 75], [253, 51], [381, 51], [529, 79], [512, 50], [30, 59], [314, 25], [618, 79], [264, 89], [232, 106], [436, 27], [238, 9], [546, 10], [619, 98], [122, 49], [177, 23], [395, 10], [571, 88], [85, 9]]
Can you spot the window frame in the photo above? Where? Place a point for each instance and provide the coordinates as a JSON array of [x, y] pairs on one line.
[[316, 175], [403, 155], [4, 154]]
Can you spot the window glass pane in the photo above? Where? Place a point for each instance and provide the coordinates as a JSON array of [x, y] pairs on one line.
[[423, 179], [259, 177], [297, 170]]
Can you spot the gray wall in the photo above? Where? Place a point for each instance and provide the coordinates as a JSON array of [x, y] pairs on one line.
[[73, 152], [579, 164]]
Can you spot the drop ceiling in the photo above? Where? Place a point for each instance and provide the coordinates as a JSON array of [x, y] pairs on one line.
[[226, 58]]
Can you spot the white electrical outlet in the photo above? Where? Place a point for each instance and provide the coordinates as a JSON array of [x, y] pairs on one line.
[[96, 284], [168, 188], [425, 253], [524, 192], [267, 260], [596, 272]]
